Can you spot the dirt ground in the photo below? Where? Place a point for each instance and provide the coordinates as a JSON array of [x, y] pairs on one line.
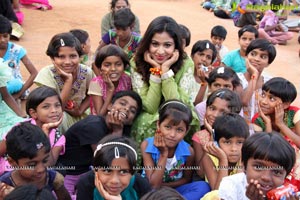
[[40, 26]]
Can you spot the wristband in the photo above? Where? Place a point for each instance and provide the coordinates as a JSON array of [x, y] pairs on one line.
[[155, 78], [167, 75]]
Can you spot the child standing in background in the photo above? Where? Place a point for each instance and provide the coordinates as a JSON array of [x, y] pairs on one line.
[[12, 54], [122, 35], [217, 36], [28, 150], [68, 77], [111, 62], [236, 58], [84, 39], [168, 157]]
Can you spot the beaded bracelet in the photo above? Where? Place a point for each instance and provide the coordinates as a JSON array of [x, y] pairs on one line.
[[155, 71]]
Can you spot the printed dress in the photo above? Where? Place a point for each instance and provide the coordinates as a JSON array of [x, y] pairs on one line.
[[48, 76], [8, 117]]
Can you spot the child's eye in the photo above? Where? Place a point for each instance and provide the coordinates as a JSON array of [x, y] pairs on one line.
[[264, 56], [73, 56], [277, 172], [46, 106], [212, 108], [124, 172], [106, 171], [58, 105], [167, 126], [180, 130], [133, 111]]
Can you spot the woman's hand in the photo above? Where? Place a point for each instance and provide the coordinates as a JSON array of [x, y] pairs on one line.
[[165, 67], [103, 192], [48, 126], [149, 60]]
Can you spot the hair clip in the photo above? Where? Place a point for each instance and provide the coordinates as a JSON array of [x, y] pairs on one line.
[[220, 70], [220, 94], [207, 45], [62, 43], [117, 153], [175, 102], [39, 145]]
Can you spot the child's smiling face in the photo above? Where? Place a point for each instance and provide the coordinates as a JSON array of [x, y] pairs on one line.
[[268, 174], [117, 178], [217, 108], [259, 59]]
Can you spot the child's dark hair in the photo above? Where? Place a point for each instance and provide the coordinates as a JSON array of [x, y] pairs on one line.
[[131, 94], [163, 193], [248, 28], [230, 125], [225, 73], [275, 5], [5, 25], [63, 40], [110, 50], [29, 192], [263, 45], [123, 18], [270, 147], [106, 152], [281, 88], [218, 31], [38, 95], [176, 110], [233, 99], [202, 45], [159, 25], [24, 141], [80, 34], [185, 34], [114, 2]]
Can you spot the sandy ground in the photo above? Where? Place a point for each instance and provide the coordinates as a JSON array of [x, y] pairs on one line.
[[40, 26]]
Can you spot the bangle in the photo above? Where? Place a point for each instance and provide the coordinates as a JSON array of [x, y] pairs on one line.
[[155, 71], [203, 83], [252, 77], [167, 75]]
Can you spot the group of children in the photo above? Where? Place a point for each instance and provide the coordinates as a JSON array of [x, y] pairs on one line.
[[85, 122]]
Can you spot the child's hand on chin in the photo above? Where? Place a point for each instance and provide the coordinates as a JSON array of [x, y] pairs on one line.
[[103, 192], [5, 190], [253, 192]]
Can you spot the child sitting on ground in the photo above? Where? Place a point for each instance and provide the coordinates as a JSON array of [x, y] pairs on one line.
[[110, 61], [217, 36], [168, 157], [267, 159], [12, 54], [122, 35], [271, 28], [28, 150], [276, 113], [84, 39], [223, 155]]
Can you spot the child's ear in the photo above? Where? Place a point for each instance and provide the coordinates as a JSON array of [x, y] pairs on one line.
[[11, 161], [286, 105], [32, 113]]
